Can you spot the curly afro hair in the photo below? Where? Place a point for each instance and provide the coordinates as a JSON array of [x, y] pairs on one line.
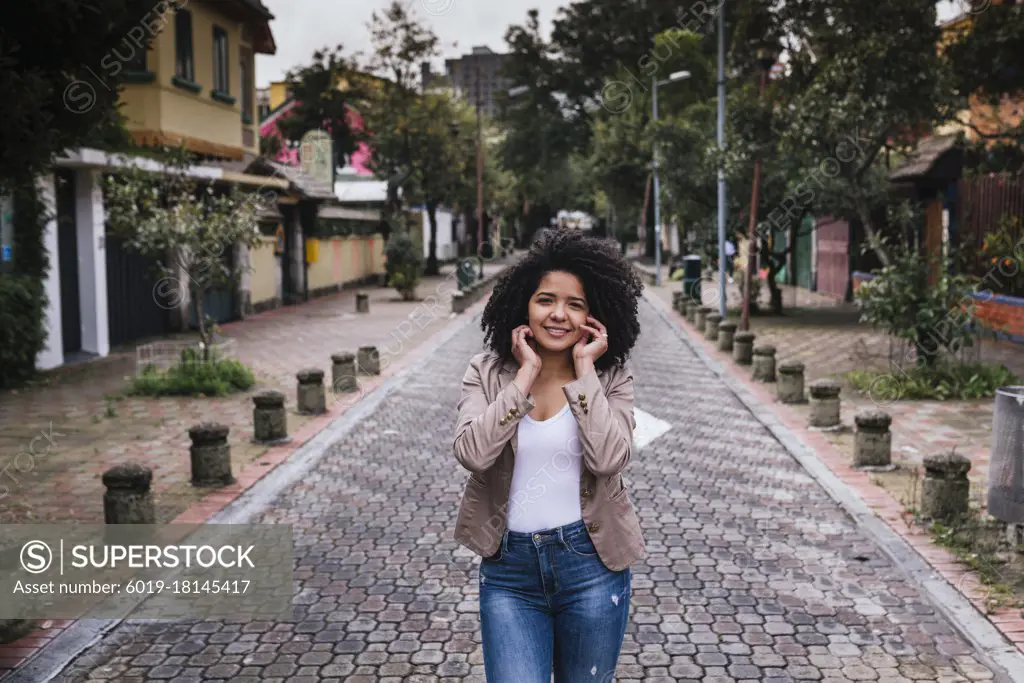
[[610, 284]]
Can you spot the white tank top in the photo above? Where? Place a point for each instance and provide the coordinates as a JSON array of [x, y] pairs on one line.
[[545, 491]]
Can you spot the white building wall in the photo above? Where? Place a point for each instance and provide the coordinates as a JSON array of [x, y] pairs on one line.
[[52, 354], [446, 248], [92, 261]]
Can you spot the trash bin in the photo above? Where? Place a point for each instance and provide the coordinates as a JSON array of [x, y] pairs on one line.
[[466, 272], [1006, 463], [691, 278]]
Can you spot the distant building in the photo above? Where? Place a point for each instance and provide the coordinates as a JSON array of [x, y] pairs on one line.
[[477, 78], [432, 82]]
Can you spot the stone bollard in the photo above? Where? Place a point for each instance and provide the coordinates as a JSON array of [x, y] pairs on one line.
[[825, 404], [701, 318], [872, 441], [691, 311], [743, 348], [13, 629], [362, 303], [128, 499], [368, 361], [459, 302], [677, 301], [711, 323], [726, 333], [343, 373], [270, 422], [791, 382], [210, 454], [311, 397], [946, 491], [764, 363]]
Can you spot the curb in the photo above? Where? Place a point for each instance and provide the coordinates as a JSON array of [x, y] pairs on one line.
[[1006, 661], [53, 658]]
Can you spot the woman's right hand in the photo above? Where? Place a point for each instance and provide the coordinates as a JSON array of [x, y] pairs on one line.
[[523, 351]]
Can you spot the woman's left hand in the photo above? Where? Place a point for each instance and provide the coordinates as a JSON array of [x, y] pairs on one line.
[[591, 345]]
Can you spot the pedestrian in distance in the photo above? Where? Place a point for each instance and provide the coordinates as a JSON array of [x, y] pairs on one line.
[[545, 428], [730, 257]]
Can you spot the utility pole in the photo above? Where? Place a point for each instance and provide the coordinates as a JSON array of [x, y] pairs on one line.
[[752, 227], [657, 189], [722, 303], [479, 176]]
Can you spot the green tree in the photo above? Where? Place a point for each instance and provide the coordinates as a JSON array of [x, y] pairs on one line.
[[185, 225], [323, 92], [51, 54]]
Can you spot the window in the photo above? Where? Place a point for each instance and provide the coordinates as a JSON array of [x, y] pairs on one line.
[[138, 61], [184, 66], [245, 59], [220, 60]]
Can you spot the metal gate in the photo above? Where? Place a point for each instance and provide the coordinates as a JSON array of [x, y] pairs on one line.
[[833, 237], [137, 299]]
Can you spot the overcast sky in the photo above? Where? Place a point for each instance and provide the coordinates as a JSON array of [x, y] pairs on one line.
[[302, 26]]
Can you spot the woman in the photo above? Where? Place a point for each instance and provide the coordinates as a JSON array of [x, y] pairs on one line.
[[545, 427]]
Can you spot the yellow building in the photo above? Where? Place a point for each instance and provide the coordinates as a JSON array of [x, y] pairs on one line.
[[196, 84]]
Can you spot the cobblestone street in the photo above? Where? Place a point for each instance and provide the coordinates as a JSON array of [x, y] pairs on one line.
[[752, 572]]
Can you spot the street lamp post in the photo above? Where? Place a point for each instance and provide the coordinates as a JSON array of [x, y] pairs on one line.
[[677, 76], [479, 178]]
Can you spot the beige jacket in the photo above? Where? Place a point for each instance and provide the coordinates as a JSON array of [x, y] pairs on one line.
[[485, 444]]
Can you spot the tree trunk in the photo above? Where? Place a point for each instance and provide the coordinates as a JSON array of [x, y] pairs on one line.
[[432, 267], [197, 294]]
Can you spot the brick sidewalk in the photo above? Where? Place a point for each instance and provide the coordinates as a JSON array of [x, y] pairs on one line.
[[826, 336], [91, 430]]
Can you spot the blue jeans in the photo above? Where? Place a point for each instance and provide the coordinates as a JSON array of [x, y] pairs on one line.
[[548, 603]]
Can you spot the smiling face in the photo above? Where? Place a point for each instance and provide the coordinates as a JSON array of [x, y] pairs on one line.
[[557, 310]]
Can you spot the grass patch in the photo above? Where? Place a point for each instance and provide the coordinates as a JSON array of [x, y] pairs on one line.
[[943, 382], [215, 378]]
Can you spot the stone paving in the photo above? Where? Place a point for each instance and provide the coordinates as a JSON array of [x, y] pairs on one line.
[[752, 572], [82, 412]]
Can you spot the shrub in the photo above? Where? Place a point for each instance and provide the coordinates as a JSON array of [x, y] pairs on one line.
[[22, 332], [404, 266], [191, 378], [943, 382], [931, 316]]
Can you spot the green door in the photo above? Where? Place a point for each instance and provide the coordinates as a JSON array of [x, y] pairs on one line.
[[802, 252]]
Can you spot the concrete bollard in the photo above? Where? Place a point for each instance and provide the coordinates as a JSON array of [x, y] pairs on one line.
[[343, 373], [946, 490], [791, 382], [764, 363], [270, 421], [311, 397], [743, 347], [128, 499], [701, 318], [362, 303], [872, 441], [711, 323], [13, 629], [825, 404], [726, 334], [460, 302], [210, 455], [677, 302], [368, 361], [691, 311]]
